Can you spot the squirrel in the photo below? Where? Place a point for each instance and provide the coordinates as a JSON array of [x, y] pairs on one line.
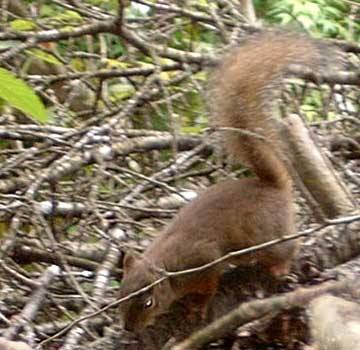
[[233, 214]]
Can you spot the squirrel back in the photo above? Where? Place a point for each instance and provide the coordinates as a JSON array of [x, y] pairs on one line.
[[233, 214], [243, 91]]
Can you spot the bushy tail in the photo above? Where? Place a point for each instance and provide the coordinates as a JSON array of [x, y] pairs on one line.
[[242, 95]]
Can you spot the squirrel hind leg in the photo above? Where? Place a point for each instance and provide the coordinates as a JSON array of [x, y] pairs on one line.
[[281, 269], [281, 265], [197, 306], [197, 302], [281, 257]]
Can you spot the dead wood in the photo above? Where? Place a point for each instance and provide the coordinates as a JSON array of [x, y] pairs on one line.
[[324, 186], [335, 323], [13, 345]]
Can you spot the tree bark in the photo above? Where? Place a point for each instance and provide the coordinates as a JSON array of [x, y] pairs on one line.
[[315, 171], [335, 323]]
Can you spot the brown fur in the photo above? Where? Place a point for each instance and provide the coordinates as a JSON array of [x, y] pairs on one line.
[[233, 214]]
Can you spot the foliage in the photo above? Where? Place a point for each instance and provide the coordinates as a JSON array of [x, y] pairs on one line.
[[322, 18], [329, 18], [21, 96], [127, 143]]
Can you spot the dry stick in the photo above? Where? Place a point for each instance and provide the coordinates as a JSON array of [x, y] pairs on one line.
[[113, 304], [101, 280], [13, 345], [342, 220], [249, 11], [315, 170], [84, 11], [8, 243], [31, 39], [26, 135], [17, 276], [343, 78], [53, 326], [335, 323], [75, 159], [62, 162], [38, 218], [106, 73], [183, 162], [68, 165], [26, 253], [55, 135], [78, 208], [220, 25], [104, 272], [195, 16], [30, 310], [256, 309]]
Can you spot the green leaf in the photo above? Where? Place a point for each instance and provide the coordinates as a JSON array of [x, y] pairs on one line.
[[78, 64], [22, 25], [68, 16], [192, 129], [47, 11], [120, 92], [201, 76], [21, 96], [7, 44], [112, 63], [44, 56]]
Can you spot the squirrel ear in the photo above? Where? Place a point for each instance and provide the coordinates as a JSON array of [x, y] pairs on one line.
[[128, 261]]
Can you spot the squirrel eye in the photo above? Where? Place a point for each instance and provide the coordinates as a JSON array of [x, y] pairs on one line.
[[149, 303]]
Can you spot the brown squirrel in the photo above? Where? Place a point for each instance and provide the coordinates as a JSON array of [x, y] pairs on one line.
[[233, 214]]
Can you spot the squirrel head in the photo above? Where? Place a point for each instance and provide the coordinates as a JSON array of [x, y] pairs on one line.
[[141, 310]]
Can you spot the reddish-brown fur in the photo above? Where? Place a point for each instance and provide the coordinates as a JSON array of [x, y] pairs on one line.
[[233, 214]]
